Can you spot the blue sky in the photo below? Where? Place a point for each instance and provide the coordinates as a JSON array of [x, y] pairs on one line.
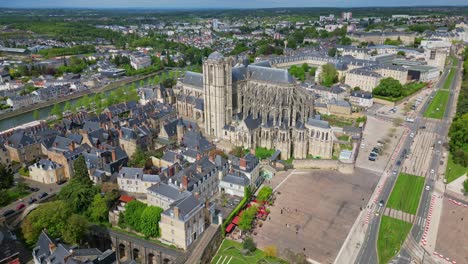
[[220, 3]]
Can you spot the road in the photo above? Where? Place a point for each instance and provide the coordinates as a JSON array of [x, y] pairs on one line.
[[441, 131], [368, 252], [48, 188]]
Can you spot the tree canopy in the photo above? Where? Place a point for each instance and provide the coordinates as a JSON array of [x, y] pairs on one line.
[[329, 75], [6, 177], [59, 221], [388, 87]]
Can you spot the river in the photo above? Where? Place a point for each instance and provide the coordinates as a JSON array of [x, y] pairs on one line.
[[44, 112]]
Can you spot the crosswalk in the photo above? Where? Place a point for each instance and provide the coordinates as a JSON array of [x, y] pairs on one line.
[[224, 260]]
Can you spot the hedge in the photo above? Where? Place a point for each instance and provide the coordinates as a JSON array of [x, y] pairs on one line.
[[243, 202]]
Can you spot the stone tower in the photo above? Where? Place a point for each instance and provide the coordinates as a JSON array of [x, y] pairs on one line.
[[217, 84]]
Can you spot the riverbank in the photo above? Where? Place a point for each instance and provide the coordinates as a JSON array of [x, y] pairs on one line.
[[100, 89]]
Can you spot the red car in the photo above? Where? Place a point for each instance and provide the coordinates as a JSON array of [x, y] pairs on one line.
[[20, 206]]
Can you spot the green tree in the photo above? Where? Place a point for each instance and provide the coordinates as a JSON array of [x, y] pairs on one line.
[[6, 177], [98, 210], [249, 244], [59, 221], [329, 75], [132, 215], [68, 107], [332, 52], [76, 228], [56, 110], [80, 192], [150, 218], [401, 53], [465, 186], [138, 159], [247, 217], [264, 193], [388, 87], [36, 115]]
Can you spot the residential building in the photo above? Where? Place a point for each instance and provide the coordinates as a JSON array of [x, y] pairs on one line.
[[361, 99], [46, 171], [134, 180]]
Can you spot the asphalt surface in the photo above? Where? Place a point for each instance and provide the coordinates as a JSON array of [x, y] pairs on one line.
[[368, 252], [48, 188]]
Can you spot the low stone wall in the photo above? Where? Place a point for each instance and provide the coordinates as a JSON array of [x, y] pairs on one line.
[[384, 102], [212, 247], [320, 164]]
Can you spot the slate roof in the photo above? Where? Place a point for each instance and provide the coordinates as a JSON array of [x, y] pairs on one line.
[[193, 79], [137, 173], [215, 56], [269, 74], [361, 94], [318, 123], [20, 139], [193, 174], [186, 205], [240, 179], [168, 190]]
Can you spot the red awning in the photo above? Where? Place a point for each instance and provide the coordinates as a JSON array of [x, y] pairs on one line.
[[240, 213], [236, 220], [230, 227]]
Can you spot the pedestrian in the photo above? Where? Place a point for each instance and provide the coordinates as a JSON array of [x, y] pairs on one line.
[[304, 249], [296, 232], [281, 211]]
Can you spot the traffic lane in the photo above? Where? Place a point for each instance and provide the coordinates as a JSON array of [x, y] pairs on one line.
[[47, 188]]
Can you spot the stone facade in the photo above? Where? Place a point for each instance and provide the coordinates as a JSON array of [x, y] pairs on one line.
[[252, 106]]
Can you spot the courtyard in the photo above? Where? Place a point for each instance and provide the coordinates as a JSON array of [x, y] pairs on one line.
[[314, 211]]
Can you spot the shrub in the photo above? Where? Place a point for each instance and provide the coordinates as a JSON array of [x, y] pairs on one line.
[[249, 244], [264, 193], [23, 171], [271, 251]]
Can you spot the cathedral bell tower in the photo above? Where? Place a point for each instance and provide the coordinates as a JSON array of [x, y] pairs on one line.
[[217, 86]]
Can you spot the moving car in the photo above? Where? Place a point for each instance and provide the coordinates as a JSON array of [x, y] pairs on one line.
[[42, 195], [381, 203], [428, 187], [371, 158], [62, 181]]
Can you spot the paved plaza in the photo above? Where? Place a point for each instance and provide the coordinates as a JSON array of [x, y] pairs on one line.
[[452, 238], [315, 210]]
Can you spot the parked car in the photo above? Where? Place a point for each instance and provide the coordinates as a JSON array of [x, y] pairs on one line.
[[422, 127], [42, 195], [371, 158], [20, 206], [62, 181], [398, 163], [33, 189], [428, 187], [32, 200], [381, 203], [8, 212]]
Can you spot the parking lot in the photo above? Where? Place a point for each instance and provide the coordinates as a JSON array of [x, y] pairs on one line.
[[377, 130], [315, 211]]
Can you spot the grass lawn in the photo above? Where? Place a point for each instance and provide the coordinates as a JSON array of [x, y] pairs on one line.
[[337, 121], [406, 193], [230, 253], [343, 137], [437, 107], [449, 79], [454, 171], [12, 194], [392, 234]]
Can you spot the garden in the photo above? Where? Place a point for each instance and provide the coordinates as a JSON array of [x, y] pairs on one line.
[[436, 108], [231, 252]]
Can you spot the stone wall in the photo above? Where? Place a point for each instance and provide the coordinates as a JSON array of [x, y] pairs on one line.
[[212, 247], [327, 164]]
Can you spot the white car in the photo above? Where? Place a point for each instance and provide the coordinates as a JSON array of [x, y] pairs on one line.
[[428, 187], [412, 134], [432, 171], [362, 145]]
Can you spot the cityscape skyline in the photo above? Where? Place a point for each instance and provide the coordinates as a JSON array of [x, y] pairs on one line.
[[204, 4]]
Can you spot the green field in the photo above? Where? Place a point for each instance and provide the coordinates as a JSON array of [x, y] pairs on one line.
[[454, 171], [437, 107], [449, 79], [392, 235], [406, 193], [230, 253]]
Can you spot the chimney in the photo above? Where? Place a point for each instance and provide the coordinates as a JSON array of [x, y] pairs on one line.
[[199, 168], [196, 195], [120, 132], [52, 247], [176, 212], [185, 181], [55, 144], [72, 146], [114, 155], [198, 156], [242, 164]]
